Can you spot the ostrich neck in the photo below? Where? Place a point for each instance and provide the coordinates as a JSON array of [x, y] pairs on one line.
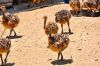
[[4, 13], [45, 20]]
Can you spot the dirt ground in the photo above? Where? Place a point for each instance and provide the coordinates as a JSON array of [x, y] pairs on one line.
[[30, 48]]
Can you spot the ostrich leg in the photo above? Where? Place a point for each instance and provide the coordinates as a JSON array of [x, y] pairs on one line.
[[76, 13], [61, 56], [3, 32], [2, 60], [62, 27], [69, 27], [14, 32], [29, 3], [5, 60], [10, 32]]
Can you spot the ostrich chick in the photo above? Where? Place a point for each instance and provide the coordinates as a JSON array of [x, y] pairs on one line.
[[9, 21], [50, 27], [75, 5], [5, 45], [58, 43], [63, 17]]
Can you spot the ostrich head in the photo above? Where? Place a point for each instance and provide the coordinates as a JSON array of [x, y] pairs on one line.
[[4, 11], [45, 20], [3, 8]]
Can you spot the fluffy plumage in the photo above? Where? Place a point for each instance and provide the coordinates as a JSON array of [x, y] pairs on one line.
[[50, 27], [9, 21], [5, 45], [58, 43], [62, 17], [75, 5]]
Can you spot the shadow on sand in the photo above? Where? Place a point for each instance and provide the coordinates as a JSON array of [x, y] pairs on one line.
[[68, 33], [9, 64], [14, 37], [85, 13], [62, 62]]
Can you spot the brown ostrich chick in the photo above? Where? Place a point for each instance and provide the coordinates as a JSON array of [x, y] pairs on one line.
[[58, 43], [75, 5], [9, 21], [63, 17], [50, 27], [5, 45], [36, 2], [90, 5]]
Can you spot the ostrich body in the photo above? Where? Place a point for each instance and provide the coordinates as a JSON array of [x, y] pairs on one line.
[[75, 5], [5, 45], [50, 27], [63, 17], [58, 43], [9, 21]]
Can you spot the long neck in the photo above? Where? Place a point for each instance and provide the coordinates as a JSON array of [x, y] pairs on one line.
[[45, 20], [3, 12]]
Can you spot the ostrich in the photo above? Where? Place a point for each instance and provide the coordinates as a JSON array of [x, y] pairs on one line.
[[90, 5], [63, 17], [36, 2], [5, 45], [58, 43], [75, 5], [50, 27], [9, 21]]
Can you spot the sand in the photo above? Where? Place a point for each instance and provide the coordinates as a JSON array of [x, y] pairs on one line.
[[30, 49]]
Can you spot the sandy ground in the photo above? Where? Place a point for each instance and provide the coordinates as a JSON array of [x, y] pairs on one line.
[[31, 49]]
